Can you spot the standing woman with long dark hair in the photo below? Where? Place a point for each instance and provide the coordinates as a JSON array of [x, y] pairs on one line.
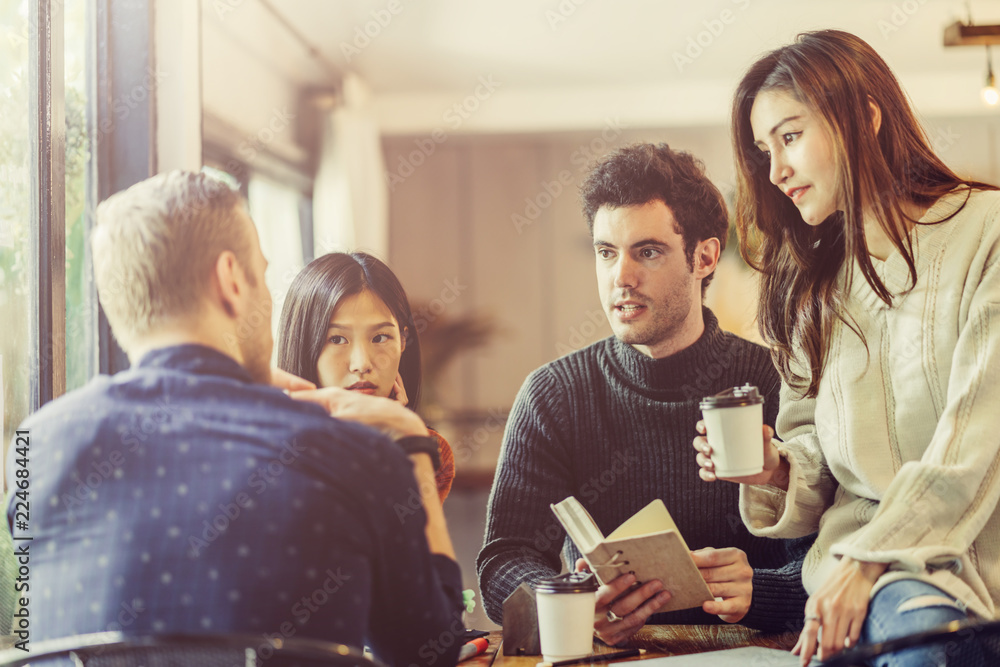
[[347, 323], [880, 298]]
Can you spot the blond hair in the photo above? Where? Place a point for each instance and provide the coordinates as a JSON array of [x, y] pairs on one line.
[[155, 246]]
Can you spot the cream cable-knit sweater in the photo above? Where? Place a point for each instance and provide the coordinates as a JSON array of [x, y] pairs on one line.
[[897, 458]]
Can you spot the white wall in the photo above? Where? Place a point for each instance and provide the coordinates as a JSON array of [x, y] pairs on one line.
[[500, 108], [244, 89], [178, 93]]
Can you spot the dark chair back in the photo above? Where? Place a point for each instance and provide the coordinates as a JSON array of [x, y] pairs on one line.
[[115, 649], [956, 637]]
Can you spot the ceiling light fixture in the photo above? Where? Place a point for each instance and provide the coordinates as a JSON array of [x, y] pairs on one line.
[[990, 93], [968, 34]]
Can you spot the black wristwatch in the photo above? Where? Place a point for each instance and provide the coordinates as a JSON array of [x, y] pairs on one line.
[[421, 444]]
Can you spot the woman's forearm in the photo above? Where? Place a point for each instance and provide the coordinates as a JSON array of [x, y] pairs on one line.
[[438, 539]]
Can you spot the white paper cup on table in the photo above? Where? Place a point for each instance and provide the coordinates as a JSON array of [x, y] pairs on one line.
[[733, 421], [566, 615]]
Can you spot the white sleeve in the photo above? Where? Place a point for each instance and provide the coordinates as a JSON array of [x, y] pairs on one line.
[[768, 511], [936, 507]]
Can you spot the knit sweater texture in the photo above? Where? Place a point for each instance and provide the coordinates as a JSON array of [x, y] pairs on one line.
[[897, 459], [614, 428]]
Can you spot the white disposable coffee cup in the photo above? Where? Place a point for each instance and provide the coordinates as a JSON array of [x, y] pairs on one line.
[[566, 615], [733, 421]]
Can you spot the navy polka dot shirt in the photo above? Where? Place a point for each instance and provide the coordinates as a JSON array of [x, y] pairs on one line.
[[179, 496]]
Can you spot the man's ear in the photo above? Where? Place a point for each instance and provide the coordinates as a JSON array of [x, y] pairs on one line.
[[706, 257], [230, 282], [876, 115]]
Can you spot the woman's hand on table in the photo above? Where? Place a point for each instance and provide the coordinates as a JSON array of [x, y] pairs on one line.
[[775, 466], [730, 577], [839, 607], [627, 606], [383, 414]]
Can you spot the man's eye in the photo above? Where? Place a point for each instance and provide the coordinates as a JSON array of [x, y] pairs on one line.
[[603, 253], [649, 253]]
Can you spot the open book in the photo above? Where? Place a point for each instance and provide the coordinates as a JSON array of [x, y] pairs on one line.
[[648, 545]]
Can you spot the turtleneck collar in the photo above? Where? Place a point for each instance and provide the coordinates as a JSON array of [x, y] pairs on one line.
[[667, 378]]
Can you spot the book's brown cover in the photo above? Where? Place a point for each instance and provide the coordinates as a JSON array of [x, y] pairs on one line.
[[647, 545]]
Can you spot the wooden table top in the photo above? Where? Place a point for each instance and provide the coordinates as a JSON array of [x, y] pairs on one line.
[[658, 640]]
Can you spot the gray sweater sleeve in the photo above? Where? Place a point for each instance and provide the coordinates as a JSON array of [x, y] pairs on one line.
[[522, 542], [778, 596]]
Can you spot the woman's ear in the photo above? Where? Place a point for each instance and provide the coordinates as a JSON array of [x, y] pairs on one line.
[[876, 115], [402, 339]]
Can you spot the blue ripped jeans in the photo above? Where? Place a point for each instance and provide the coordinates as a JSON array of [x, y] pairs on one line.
[[898, 610]]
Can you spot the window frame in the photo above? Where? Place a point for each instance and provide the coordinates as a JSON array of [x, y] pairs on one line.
[[47, 130], [122, 63]]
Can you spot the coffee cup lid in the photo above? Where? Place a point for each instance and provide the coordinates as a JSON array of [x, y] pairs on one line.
[[733, 398], [571, 582]]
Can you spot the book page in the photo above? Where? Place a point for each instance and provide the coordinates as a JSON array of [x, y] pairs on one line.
[[578, 524], [736, 657], [653, 518]]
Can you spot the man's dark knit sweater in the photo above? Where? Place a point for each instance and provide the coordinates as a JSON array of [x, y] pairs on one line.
[[614, 427]]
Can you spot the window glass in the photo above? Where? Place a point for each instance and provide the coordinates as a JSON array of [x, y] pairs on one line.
[[16, 263], [275, 210], [80, 344]]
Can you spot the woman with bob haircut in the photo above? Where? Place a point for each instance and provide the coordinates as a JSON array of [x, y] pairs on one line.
[[880, 300], [347, 323]]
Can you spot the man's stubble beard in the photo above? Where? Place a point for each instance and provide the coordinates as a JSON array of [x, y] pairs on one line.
[[653, 333], [668, 320]]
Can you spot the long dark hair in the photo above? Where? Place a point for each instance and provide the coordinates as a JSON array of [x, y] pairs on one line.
[[836, 75], [317, 291]]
